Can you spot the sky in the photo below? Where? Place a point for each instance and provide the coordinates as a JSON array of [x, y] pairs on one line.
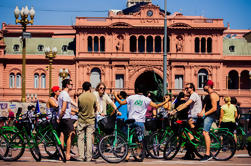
[[63, 12]]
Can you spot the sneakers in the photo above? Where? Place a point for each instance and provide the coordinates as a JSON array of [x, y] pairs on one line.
[[206, 158]]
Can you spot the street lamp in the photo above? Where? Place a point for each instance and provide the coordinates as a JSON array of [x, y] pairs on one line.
[[24, 21], [64, 73], [50, 54]]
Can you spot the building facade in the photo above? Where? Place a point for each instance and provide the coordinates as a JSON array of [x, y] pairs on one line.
[[125, 50]]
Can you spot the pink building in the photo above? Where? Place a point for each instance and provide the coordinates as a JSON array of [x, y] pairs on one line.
[[125, 49]]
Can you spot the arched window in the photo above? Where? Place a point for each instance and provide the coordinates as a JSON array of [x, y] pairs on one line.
[[209, 45], [96, 48], [157, 44], [233, 80], [89, 44], [40, 48], [16, 47], [141, 44], [202, 77], [43, 80], [133, 42], [36, 80], [197, 45], [12, 80], [167, 44], [149, 43], [203, 45], [245, 83], [18, 80], [95, 77], [102, 43]]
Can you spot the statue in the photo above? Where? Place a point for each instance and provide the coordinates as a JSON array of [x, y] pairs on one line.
[[179, 44]]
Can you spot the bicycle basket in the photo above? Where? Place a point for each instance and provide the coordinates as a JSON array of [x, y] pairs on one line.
[[151, 124], [107, 124]]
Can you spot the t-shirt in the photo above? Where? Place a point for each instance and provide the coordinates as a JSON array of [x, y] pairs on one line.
[[195, 106], [86, 104], [122, 109], [64, 96], [229, 112], [11, 114], [137, 106], [149, 111]]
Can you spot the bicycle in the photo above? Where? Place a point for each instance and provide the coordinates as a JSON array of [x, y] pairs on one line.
[[114, 148]]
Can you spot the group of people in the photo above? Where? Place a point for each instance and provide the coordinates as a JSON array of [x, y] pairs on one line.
[[82, 117]]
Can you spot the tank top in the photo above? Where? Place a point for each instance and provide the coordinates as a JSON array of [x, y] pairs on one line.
[[208, 103], [52, 111]]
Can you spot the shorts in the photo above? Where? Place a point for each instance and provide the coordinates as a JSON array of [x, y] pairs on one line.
[[231, 126], [66, 126], [208, 121], [140, 127]]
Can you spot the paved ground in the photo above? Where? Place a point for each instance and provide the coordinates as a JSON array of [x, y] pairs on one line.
[[241, 158]]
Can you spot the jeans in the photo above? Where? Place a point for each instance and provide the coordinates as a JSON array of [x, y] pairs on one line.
[[208, 121]]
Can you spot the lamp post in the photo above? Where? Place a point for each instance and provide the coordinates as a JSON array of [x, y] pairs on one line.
[[50, 54], [63, 73], [24, 21], [165, 54]]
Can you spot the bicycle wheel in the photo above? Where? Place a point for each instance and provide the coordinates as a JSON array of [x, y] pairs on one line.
[[156, 143], [172, 147], [226, 147], [95, 152], [15, 146], [3, 146], [35, 152], [113, 149]]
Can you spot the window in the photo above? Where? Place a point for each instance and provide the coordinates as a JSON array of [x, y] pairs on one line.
[[233, 80], [102, 43], [245, 83], [141, 44], [89, 44], [157, 44], [64, 48], [119, 81], [209, 45], [178, 81], [203, 45], [40, 48], [16, 47], [232, 48], [96, 47], [133, 42], [95, 77], [12, 80], [18, 80], [43, 80], [197, 45], [149, 42], [202, 77], [36, 80]]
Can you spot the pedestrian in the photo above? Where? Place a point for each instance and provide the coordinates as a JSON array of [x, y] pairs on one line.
[[66, 128], [11, 117], [195, 106], [137, 107], [209, 114], [87, 104], [103, 100], [181, 99]]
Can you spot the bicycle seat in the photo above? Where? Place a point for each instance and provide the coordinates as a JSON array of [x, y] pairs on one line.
[[129, 121]]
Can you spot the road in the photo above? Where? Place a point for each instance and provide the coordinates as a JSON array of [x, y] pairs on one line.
[[241, 158]]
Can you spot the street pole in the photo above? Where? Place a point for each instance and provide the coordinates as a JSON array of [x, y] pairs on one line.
[[165, 52], [23, 99]]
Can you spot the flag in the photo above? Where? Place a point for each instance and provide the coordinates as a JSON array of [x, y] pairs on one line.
[[37, 110]]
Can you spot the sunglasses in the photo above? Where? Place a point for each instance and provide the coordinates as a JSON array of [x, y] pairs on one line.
[[101, 88], [187, 88]]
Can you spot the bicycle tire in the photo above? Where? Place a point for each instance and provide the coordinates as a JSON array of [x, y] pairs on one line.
[[60, 151], [35, 152], [226, 142], [110, 153], [3, 143], [15, 143], [172, 147], [95, 151]]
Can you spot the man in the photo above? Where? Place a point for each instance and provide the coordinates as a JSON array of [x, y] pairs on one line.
[[137, 107], [195, 107], [103, 99], [87, 104], [64, 117], [211, 105]]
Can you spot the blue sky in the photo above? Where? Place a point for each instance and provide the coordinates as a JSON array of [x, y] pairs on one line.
[[63, 12]]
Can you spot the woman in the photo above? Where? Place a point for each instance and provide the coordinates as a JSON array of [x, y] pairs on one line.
[[52, 104], [181, 99], [228, 116]]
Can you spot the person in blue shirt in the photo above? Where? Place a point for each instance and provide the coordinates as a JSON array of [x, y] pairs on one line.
[[123, 110]]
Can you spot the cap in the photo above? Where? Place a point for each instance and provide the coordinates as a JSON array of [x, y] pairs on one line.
[[55, 88], [210, 83]]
